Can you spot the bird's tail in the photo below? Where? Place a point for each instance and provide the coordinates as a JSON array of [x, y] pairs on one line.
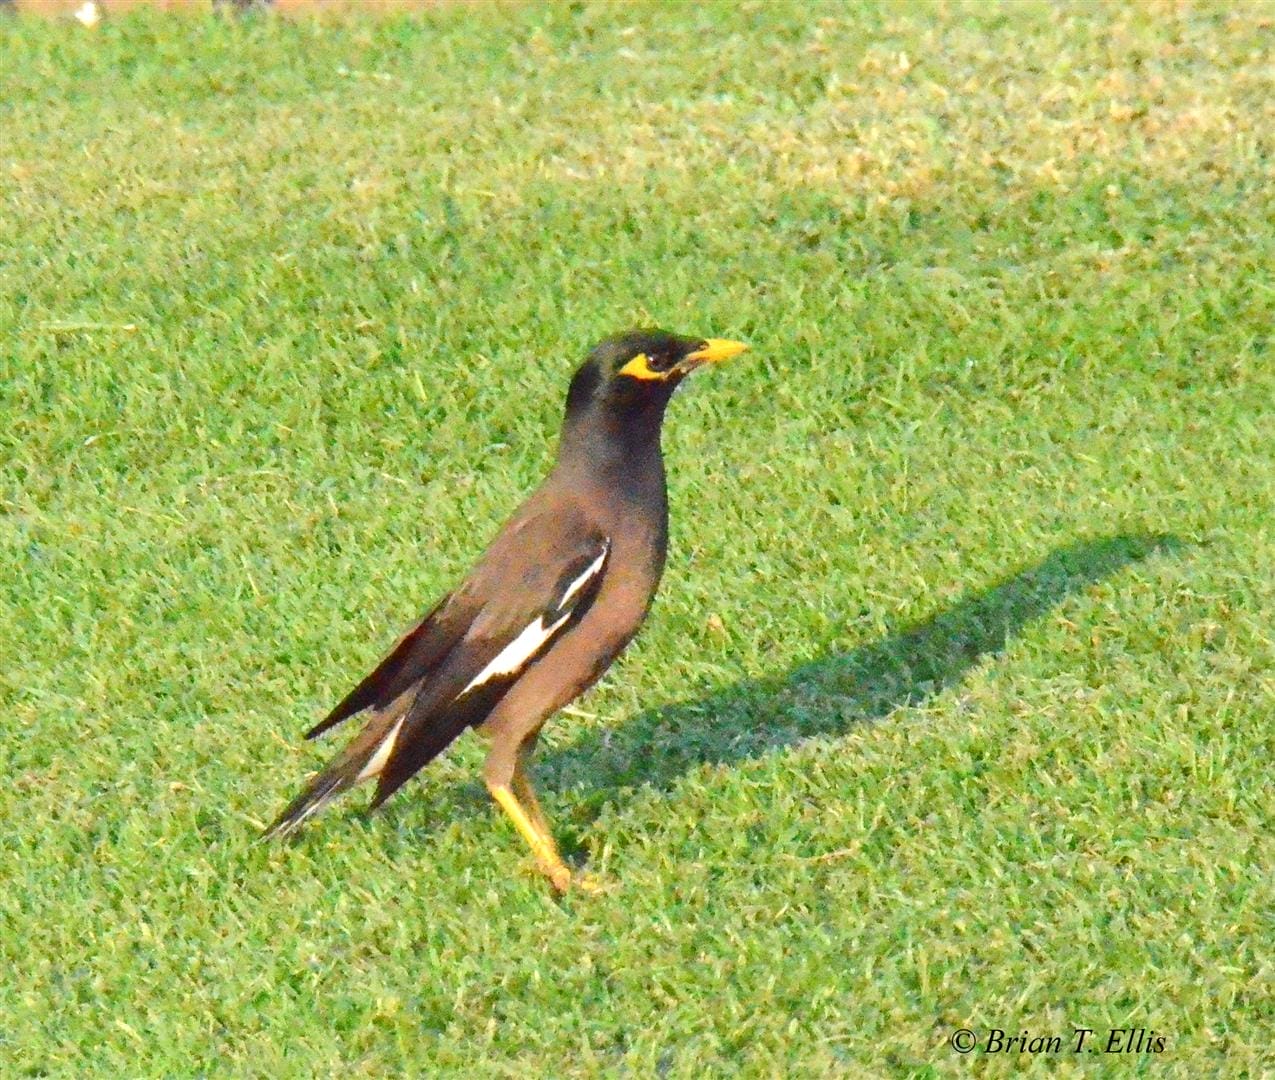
[[363, 759]]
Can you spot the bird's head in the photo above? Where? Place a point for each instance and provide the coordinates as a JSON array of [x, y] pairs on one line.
[[635, 373]]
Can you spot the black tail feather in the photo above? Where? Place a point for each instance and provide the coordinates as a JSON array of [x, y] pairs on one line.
[[321, 790], [411, 659], [421, 742], [342, 773]]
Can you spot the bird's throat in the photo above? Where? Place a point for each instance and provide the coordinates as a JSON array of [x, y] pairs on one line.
[[618, 454]]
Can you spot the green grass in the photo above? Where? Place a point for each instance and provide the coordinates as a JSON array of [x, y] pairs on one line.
[[955, 709]]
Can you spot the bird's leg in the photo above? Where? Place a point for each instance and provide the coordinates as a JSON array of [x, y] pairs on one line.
[[508, 786], [520, 784], [548, 860], [542, 846]]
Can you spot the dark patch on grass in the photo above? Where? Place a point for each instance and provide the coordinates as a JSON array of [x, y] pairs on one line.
[[829, 696]]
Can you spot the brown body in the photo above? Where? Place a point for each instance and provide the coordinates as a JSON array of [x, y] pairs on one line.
[[558, 594], [577, 659]]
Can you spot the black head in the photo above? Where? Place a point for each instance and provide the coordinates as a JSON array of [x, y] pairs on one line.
[[635, 373]]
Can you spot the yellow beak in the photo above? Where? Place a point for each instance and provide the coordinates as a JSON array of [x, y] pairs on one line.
[[716, 350]]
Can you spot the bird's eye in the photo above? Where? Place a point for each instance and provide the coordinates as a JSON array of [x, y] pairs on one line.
[[649, 366]]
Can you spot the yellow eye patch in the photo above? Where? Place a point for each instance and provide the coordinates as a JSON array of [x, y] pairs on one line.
[[639, 368]]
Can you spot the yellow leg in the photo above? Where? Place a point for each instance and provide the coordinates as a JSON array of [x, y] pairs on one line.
[[526, 795], [540, 842]]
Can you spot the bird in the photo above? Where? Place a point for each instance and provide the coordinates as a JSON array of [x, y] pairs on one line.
[[554, 599]]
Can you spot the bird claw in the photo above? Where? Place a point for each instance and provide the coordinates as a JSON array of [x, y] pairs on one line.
[[591, 884], [564, 881], [559, 877]]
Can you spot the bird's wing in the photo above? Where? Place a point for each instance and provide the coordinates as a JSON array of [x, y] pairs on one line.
[[413, 657], [540, 560], [539, 586], [535, 581]]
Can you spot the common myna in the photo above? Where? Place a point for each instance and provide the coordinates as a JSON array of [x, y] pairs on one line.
[[555, 598]]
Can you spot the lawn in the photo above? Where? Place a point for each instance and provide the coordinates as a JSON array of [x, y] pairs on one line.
[[955, 709]]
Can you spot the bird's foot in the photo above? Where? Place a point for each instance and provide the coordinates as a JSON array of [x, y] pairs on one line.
[[564, 881], [591, 884], [559, 877]]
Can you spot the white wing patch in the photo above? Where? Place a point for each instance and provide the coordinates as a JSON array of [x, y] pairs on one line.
[[590, 572], [377, 761], [514, 656]]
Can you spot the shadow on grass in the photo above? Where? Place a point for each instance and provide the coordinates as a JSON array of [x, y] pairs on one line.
[[832, 694], [828, 696]]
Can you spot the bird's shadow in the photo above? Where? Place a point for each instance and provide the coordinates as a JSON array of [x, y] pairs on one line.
[[827, 696]]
